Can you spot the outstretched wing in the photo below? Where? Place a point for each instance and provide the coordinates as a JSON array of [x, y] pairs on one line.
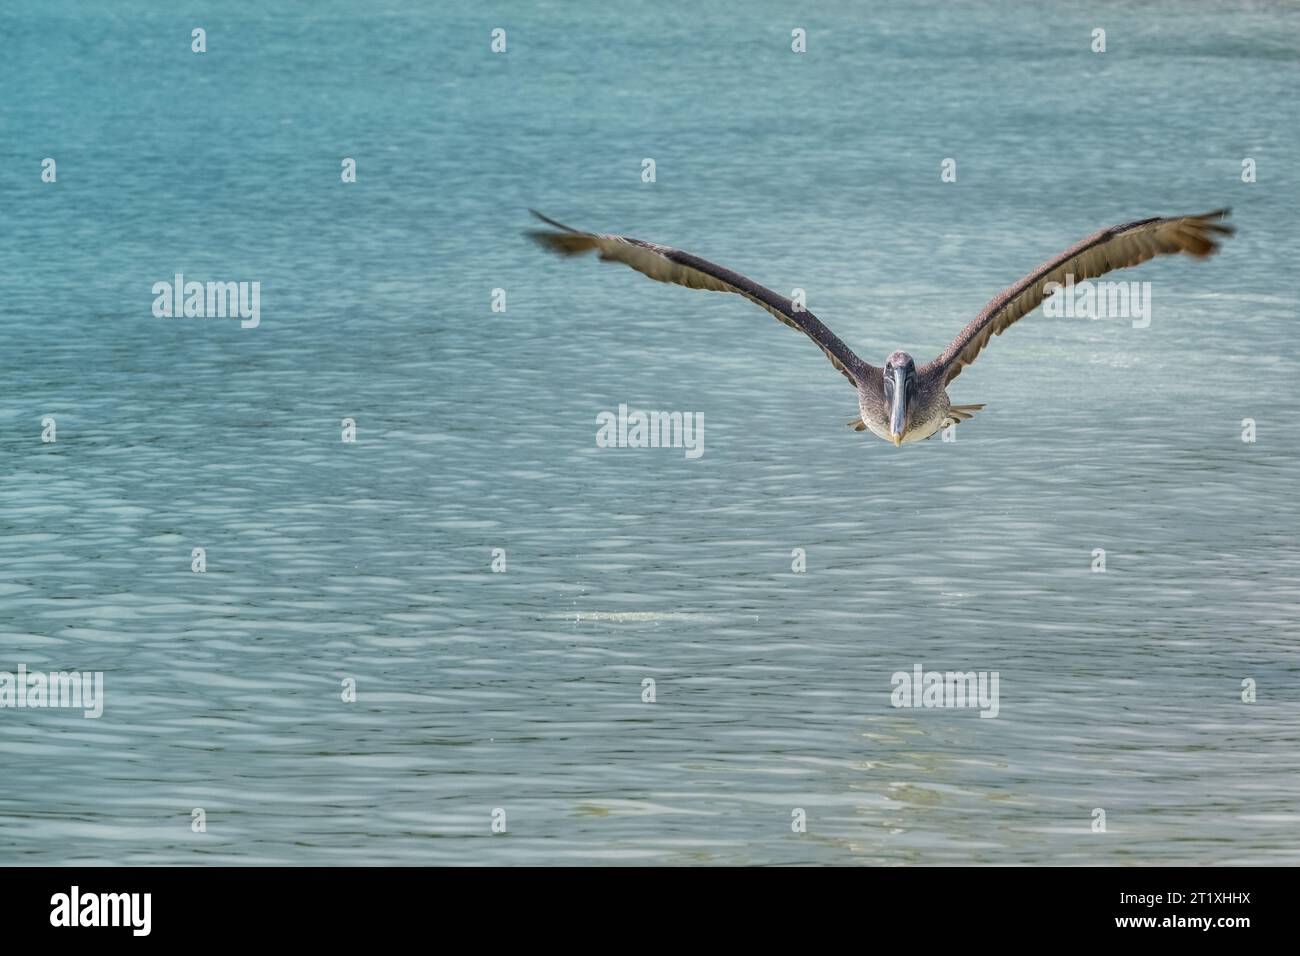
[[1115, 248], [681, 268]]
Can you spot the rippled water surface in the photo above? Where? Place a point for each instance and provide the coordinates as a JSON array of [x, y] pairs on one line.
[[523, 690]]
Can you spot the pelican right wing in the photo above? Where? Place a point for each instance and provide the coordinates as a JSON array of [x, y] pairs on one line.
[[667, 264], [1115, 248]]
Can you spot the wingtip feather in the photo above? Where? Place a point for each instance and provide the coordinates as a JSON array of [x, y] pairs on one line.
[[551, 222], [562, 243], [1201, 234]]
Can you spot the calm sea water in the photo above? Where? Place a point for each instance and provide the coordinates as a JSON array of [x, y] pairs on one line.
[[522, 690]]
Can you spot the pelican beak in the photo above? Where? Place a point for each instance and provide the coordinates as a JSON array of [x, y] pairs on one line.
[[898, 413]]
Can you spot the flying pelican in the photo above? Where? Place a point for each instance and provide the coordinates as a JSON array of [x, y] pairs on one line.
[[903, 402]]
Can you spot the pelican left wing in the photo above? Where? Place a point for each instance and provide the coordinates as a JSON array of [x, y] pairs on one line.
[[1115, 248], [666, 264]]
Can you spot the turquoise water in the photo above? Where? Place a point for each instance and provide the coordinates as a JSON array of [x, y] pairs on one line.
[[522, 690]]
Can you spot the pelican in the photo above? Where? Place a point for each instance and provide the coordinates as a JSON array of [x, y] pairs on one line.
[[904, 402]]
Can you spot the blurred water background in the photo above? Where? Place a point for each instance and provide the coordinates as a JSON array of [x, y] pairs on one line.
[[476, 430]]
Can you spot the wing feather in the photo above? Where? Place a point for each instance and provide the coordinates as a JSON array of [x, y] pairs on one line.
[[1118, 247], [666, 264]]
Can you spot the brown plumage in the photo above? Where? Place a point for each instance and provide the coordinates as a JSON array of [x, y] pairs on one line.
[[901, 402], [1118, 247]]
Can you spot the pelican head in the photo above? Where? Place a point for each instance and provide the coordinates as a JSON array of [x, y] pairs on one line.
[[900, 388]]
